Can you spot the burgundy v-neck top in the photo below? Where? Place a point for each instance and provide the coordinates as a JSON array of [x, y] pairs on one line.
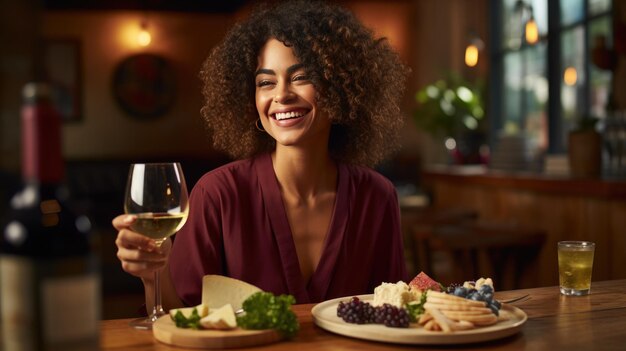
[[238, 227]]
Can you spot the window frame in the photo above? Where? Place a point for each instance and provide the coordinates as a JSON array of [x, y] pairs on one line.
[[555, 125]]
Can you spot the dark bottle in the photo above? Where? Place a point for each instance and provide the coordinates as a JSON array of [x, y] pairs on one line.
[[49, 280]]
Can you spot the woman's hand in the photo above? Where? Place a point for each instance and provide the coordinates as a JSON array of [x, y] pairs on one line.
[[139, 254]]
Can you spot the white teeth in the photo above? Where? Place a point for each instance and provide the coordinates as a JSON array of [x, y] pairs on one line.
[[286, 115]]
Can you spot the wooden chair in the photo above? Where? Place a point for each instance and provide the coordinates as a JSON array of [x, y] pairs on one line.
[[418, 225], [504, 251]]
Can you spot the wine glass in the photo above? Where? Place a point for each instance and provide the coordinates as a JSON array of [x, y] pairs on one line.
[[157, 194]]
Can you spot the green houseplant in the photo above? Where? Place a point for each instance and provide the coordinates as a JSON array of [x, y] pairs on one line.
[[452, 107]]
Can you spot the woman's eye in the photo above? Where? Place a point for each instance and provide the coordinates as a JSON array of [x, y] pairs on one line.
[[301, 77], [263, 83]]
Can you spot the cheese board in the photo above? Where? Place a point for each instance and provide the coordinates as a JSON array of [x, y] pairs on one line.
[[165, 331]]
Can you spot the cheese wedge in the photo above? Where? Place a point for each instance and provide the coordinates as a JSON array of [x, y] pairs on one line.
[[221, 318], [203, 311], [218, 291]]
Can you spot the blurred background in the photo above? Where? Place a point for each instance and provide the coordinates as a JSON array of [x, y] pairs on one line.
[[515, 125]]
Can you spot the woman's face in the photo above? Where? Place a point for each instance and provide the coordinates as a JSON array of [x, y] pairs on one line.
[[285, 99]]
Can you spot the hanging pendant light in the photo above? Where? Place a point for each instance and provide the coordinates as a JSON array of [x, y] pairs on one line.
[[471, 55], [531, 30], [472, 51], [143, 37], [524, 14], [570, 76]]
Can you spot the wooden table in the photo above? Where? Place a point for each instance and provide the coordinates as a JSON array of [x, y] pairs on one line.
[[593, 322]]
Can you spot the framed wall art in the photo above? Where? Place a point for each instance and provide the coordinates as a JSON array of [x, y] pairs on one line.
[[62, 68], [144, 85]]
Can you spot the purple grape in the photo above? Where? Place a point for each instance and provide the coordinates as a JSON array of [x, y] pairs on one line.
[[358, 312]]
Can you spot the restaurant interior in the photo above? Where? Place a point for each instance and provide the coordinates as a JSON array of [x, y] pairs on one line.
[[515, 134]]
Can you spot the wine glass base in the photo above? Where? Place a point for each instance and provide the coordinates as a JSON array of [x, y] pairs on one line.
[[145, 323]]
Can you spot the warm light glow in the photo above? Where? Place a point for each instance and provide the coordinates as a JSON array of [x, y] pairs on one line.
[[570, 76], [128, 32], [532, 32], [143, 37], [471, 55]]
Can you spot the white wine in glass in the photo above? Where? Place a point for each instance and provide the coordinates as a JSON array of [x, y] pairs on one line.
[[157, 194]]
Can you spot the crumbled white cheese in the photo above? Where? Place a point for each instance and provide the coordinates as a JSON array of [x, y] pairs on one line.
[[480, 282], [397, 294]]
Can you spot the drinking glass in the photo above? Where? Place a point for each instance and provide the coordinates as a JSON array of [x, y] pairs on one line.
[[575, 266], [157, 194]]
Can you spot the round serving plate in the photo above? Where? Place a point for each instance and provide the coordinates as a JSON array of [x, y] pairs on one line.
[[325, 316]]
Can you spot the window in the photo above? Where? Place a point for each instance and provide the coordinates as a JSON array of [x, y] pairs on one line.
[[542, 89]]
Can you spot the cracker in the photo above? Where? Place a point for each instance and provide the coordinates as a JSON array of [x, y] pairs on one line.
[[432, 325], [449, 324], [442, 320], [481, 318], [457, 307], [450, 313], [460, 302], [443, 297], [464, 325], [425, 317]]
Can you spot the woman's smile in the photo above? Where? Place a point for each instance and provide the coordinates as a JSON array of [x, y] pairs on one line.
[[281, 116], [289, 118]]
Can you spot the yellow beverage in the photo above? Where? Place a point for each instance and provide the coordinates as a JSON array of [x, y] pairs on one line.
[[575, 266], [158, 226]]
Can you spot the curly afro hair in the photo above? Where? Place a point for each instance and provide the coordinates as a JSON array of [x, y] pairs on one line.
[[359, 81]]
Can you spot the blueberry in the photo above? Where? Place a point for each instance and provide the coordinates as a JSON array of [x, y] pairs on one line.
[[479, 297], [460, 291], [486, 289], [495, 310]]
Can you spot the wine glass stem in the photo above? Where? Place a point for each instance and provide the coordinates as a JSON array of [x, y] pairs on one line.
[[157, 310]]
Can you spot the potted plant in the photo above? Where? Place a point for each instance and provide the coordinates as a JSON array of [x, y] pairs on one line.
[[585, 149], [453, 108]]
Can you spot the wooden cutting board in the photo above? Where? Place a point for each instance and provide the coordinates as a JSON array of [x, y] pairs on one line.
[[166, 332]]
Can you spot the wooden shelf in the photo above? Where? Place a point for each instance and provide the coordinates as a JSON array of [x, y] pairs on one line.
[[480, 175]]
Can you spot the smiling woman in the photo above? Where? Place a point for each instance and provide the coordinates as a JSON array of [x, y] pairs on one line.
[[306, 98]]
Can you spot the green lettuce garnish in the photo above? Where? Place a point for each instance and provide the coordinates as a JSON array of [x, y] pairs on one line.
[[264, 310], [193, 321], [416, 308]]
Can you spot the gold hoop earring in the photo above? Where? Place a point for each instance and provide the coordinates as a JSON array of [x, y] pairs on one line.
[[260, 128]]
